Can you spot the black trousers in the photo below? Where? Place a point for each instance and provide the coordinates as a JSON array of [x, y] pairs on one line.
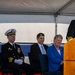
[[26, 67]]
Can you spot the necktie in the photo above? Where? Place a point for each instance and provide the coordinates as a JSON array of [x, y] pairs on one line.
[[43, 51], [13, 45]]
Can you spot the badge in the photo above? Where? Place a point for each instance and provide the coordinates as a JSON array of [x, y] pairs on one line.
[[18, 50], [9, 48]]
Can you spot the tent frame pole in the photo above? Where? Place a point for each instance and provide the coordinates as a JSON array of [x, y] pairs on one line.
[[55, 20], [64, 7]]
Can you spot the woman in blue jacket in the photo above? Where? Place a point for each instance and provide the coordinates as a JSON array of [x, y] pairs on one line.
[[55, 55]]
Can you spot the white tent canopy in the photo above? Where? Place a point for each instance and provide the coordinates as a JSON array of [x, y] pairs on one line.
[[40, 7], [46, 7]]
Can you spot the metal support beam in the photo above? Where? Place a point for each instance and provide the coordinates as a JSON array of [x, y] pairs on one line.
[[67, 14], [55, 20], [26, 13], [64, 7]]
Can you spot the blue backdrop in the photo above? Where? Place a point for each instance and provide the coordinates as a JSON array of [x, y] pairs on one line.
[[24, 47]]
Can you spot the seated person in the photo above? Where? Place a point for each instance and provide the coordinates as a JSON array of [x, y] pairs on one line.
[[55, 55], [36, 49], [71, 31], [12, 55]]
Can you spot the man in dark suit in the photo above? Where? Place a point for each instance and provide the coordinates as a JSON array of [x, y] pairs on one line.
[[36, 49], [12, 55], [71, 30]]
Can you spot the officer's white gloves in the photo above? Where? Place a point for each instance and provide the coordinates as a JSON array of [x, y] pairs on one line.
[[18, 61]]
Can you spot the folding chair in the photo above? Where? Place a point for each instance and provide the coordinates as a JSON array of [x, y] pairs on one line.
[[44, 65]]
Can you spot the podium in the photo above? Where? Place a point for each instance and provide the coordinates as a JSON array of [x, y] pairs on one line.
[[69, 57]]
